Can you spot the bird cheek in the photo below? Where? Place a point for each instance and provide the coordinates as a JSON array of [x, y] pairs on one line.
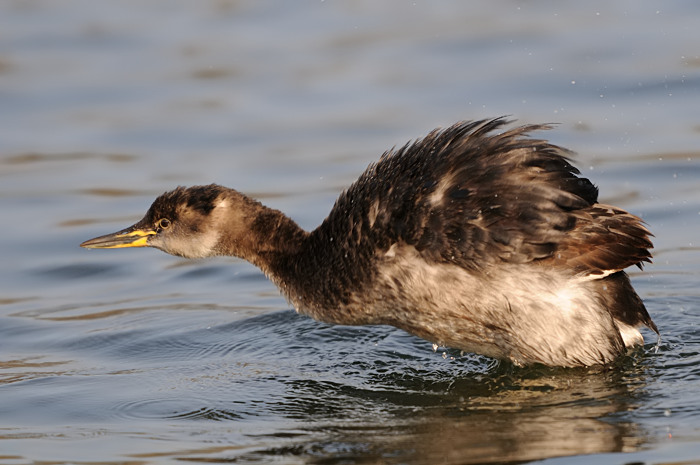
[[159, 242]]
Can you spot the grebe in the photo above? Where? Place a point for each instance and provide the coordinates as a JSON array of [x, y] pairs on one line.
[[488, 243]]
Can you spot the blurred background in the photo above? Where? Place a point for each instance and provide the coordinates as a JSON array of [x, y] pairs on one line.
[[137, 356]]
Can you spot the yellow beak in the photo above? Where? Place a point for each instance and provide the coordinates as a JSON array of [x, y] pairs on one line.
[[129, 237]]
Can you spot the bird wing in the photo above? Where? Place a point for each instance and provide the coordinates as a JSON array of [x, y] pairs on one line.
[[466, 196], [605, 239]]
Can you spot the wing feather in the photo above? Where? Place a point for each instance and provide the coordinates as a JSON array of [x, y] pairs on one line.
[[469, 196]]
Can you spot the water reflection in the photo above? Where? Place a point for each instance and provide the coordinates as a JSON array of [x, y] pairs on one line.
[[16, 370], [501, 417]]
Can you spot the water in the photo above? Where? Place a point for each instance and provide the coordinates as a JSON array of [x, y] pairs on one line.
[[135, 356]]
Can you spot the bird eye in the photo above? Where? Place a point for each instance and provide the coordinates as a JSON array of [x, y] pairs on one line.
[[163, 223]]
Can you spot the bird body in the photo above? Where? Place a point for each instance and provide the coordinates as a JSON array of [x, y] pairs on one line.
[[489, 243]]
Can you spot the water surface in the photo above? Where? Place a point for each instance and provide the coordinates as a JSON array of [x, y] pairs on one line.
[[135, 356]]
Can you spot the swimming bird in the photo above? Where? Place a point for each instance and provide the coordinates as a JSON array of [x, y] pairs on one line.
[[485, 241]]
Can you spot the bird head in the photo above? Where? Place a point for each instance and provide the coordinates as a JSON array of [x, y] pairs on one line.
[[184, 222]]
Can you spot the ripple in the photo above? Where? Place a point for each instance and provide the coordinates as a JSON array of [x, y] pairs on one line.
[[78, 271], [176, 409], [113, 192]]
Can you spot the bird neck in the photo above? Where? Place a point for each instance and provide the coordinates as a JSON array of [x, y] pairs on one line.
[[263, 236], [314, 271]]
